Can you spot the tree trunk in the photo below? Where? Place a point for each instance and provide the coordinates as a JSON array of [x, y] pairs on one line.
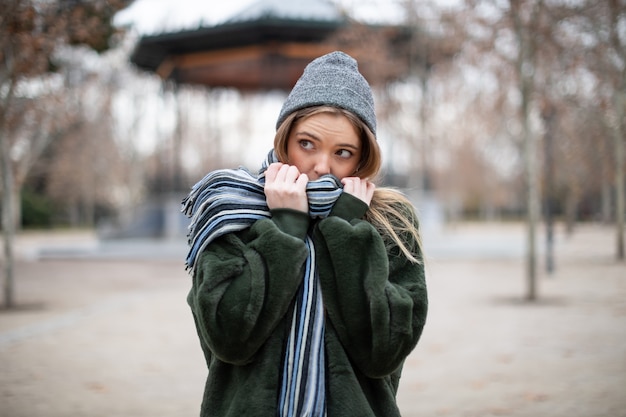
[[8, 221], [617, 125], [526, 73], [619, 174], [530, 157], [17, 206], [571, 208], [549, 115], [607, 213]]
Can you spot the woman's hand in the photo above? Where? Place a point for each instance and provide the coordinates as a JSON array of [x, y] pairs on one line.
[[285, 187], [360, 188]]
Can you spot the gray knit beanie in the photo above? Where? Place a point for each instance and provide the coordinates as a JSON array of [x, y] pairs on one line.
[[333, 79]]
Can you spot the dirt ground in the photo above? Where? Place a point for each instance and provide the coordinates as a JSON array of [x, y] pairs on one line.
[[112, 335]]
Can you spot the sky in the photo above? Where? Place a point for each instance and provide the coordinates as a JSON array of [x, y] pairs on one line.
[[156, 16], [150, 16], [147, 17], [153, 16]]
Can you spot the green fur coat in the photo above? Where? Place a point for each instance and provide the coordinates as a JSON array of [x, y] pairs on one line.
[[243, 291]]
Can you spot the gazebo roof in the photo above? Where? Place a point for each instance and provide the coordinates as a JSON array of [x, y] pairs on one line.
[[265, 46], [289, 10]]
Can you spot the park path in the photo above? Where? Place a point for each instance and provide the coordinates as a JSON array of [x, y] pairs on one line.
[[105, 331]]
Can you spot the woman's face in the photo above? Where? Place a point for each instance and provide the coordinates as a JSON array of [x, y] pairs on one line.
[[324, 143]]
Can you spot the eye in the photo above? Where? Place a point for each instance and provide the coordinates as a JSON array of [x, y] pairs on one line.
[[344, 153], [305, 144]]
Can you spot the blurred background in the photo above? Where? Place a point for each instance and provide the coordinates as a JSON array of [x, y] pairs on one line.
[[490, 111], [503, 121]]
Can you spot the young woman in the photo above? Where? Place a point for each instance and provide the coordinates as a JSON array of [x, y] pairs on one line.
[[308, 281]]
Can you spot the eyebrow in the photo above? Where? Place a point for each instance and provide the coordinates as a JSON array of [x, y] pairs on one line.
[[348, 145]]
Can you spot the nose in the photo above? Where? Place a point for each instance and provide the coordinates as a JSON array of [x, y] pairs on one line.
[[322, 165]]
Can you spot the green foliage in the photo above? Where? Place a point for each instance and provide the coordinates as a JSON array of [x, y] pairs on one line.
[[37, 210]]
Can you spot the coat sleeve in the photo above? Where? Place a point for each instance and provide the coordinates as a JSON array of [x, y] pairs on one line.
[[245, 283], [375, 298]]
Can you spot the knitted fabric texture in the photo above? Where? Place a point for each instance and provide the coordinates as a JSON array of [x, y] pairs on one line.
[[230, 200], [333, 79]]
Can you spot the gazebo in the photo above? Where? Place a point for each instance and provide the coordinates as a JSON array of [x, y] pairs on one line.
[[264, 47]]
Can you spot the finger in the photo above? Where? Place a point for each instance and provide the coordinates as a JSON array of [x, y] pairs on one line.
[[348, 180], [292, 174], [302, 181], [348, 185], [272, 171], [359, 188], [281, 173], [371, 187], [287, 174]]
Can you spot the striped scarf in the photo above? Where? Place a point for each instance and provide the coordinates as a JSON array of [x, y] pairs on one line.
[[227, 201]]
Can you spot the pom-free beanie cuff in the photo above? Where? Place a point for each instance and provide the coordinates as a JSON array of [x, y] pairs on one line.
[[332, 79]]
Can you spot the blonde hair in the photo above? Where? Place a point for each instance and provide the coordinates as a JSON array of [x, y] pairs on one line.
[[390, 212]]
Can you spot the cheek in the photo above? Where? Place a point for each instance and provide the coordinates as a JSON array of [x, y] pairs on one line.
[[296, 158], [291, 152], [343, 171]]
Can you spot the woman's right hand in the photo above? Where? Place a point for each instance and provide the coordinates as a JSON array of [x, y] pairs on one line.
[[285, 187]]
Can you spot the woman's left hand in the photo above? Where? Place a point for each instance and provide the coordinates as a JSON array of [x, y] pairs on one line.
[[359, 188]]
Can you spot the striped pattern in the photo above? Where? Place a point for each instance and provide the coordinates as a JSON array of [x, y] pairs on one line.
[[223, 202], [230, 200], [303, 391], [227, 201]]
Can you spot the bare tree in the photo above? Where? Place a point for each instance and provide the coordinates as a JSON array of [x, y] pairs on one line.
[[506, 37], [525, 16], [535, 52], [616, 54], [30, 33], [530, 70], [592, 58]]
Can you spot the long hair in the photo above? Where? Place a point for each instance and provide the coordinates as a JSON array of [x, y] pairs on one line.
[[390, 212]]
